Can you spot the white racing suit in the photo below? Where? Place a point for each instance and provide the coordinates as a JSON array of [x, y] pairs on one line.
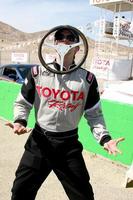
[[59, 102]]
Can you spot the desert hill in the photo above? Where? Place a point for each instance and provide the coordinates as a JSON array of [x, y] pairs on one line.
[[10, 33]]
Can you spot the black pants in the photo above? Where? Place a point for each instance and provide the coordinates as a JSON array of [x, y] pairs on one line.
[[45, 152]]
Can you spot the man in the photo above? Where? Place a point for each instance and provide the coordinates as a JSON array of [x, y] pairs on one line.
[[59, 101]]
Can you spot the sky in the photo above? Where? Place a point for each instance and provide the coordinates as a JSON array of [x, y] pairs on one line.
[[37, 15]]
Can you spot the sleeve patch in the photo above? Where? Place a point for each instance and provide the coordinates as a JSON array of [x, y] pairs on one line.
[[35, 71], [90, 77]]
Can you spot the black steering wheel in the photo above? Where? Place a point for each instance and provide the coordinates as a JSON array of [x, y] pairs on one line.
[[62, 50]]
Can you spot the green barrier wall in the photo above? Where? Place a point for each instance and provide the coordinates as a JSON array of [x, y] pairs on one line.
[[8, 93], [118, 118]]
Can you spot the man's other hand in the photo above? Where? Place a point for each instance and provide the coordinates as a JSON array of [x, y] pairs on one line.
[[18, 128], [111, 146]]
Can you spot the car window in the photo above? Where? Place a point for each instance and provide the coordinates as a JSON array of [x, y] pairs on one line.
[[24, 71], [1, 71], [8, 71]]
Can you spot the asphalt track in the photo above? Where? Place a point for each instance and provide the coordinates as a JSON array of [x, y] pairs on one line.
[[107, 177]]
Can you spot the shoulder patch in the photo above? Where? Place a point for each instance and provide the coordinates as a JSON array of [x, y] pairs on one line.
[[35, 71], [90, 77]]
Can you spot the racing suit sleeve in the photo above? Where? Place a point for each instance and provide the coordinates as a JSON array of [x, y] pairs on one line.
[[94, 115], [24, 101]]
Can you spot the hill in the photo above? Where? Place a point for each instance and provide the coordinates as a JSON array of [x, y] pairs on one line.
[[10, 33]]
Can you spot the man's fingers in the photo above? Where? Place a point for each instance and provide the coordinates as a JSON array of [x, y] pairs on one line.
[[22, 131], [112, 148], [18, 129], [28, 130], [9, 124], [120, 139], [120, 152]]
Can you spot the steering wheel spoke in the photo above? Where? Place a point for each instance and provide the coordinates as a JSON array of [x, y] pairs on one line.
[[49, 45]]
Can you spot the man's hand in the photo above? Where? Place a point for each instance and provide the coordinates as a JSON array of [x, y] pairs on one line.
[[18, 128], [111, 146]]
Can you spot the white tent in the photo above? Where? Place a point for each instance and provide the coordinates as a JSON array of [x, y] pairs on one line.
[[109, 61], [113, 5]]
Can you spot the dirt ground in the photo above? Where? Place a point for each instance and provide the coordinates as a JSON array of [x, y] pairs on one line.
[[107, 177]]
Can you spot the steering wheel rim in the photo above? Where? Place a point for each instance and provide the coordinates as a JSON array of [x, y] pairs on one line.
[[85, 43]]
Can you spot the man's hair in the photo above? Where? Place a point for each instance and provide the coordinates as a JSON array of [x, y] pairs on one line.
[[73, 32]]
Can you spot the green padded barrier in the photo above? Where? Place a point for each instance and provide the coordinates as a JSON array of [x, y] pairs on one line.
[[118, 117], [8, 93]]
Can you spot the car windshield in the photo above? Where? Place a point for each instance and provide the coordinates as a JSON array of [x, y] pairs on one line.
[[24, 71]]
